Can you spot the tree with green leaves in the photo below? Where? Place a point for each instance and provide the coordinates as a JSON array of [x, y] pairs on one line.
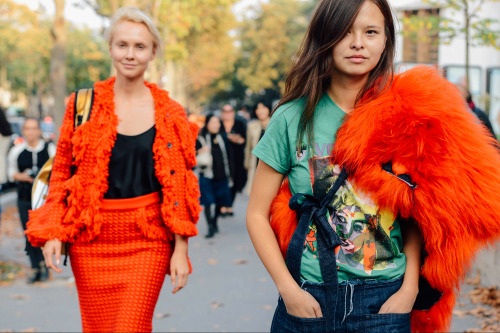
[[198, 48], [87, 58], [268, 37], [58, 62], [24, 52], [476, 30]]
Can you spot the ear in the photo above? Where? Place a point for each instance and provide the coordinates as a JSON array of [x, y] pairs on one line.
[[153, 54]]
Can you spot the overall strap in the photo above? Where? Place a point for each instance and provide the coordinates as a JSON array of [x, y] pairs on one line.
[[309, 208]]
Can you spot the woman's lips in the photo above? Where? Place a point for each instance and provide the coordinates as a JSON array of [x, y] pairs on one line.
[[357, 59]]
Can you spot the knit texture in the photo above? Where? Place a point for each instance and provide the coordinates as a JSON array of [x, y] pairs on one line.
[[71, 210], [120, 273], [422, 125]]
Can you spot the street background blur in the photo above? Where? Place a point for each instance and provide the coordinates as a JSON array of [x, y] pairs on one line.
[[215, 52]]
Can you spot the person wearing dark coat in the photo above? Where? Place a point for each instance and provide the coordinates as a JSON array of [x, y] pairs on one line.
[[235, 129], [214, 169], [480, 114]]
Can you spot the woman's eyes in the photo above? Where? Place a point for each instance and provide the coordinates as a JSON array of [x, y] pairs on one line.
[[368, 32], [140, 46]]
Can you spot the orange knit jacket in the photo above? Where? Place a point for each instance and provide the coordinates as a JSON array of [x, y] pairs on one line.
[[72, 207], [423, 127]]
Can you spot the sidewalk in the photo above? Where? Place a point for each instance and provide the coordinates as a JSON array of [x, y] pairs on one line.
[[229, 290]]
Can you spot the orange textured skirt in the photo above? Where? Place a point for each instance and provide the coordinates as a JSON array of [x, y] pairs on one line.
[[120, 273]]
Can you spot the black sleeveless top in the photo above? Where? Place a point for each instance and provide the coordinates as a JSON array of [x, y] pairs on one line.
[[131, 166]]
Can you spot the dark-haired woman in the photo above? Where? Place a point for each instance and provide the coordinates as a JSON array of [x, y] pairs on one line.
[[391, 185], [214, 174]]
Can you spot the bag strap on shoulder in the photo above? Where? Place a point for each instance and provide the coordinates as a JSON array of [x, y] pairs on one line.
[[83, 105], [84, 100]]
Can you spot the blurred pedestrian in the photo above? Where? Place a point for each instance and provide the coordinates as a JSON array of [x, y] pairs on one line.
[[243, 113], [133, 200], [214, 165], [25, 161], [373, 191], [235, 129], [480, 114], [5, 133], [255, 131]]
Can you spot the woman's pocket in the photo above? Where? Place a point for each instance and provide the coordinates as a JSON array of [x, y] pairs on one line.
[[285, 322], [387, 322]]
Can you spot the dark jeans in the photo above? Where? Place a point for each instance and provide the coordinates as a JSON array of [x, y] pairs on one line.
[[350, 306], [35, 253], [354, 309]]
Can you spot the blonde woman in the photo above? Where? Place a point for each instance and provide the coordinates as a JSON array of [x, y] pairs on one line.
[[133, 201]]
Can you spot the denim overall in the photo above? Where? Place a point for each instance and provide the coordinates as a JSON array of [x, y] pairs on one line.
[[349, 306]]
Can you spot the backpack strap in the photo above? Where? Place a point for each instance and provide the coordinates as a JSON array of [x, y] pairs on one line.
[[84, 100], [83, 105]]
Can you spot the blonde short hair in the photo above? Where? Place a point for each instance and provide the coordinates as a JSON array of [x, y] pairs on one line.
[[134, 15]]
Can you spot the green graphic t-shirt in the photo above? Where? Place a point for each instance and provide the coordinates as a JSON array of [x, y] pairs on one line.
[[372, 240]]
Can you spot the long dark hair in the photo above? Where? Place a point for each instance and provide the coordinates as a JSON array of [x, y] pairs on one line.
[[204, 130], [5, 129], [311, 71]]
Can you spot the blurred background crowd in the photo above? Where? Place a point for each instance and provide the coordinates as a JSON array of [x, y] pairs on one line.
[[224, 61]]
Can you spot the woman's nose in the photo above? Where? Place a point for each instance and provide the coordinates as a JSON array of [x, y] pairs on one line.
[[130, 53], [357, 42]]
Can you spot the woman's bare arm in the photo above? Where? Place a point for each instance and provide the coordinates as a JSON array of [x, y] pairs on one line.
[[266, 184], [402, 301]]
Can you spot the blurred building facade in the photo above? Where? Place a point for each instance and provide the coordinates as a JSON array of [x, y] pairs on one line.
[[484, 69]]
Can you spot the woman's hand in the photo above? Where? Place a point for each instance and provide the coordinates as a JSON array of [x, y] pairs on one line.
[[179, 267], [204, 149], [401, 302], [236, 138], [299, 303], [50, 248], [23, 177]]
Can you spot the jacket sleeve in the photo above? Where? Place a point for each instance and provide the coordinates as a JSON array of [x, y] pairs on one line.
[[45, 223], [186, 205]]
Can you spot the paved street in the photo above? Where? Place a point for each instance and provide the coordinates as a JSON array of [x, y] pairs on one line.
[[229, 290]]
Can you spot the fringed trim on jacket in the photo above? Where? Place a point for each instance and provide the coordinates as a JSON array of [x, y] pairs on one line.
[[72, 207]]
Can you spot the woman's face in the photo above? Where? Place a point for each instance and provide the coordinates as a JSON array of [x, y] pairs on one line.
[[131, 49], [262, 111], [360, 50], [213, 125]]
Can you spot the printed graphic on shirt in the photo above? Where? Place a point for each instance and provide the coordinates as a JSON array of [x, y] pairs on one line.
[[364, 229]]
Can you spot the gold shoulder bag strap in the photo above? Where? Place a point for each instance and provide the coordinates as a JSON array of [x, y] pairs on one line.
[[83, 105]]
